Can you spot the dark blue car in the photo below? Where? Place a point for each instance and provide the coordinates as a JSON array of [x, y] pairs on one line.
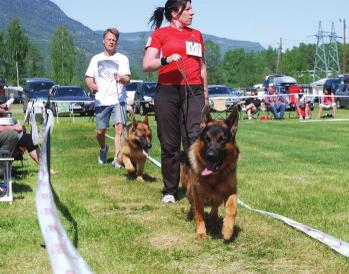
[[75, 98], [35, 89]]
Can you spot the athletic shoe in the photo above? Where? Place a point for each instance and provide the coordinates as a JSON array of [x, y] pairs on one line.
[[300, 117], [3, 189], [307, 117], [168, 199], [102, 159], [115, 164]]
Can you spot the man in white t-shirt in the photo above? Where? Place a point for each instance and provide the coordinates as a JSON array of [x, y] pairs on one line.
[[106, 76]]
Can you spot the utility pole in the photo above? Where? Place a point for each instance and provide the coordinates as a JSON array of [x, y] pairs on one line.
[[344, 49], [279, 60], [17, 74]]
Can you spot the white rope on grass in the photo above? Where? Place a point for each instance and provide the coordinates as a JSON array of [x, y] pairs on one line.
[[334, 243], [63, 256]]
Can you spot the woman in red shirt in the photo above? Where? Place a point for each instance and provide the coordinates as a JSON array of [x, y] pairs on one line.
[[177, 51]]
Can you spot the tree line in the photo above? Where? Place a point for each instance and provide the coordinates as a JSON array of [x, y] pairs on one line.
[[19, 58]]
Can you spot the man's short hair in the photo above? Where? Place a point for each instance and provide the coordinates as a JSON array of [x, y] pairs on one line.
[[113, 31]]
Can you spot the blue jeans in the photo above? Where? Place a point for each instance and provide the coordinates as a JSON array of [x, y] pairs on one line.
[[278, 108]]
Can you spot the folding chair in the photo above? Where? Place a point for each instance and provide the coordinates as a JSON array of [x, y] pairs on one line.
[[6, 184], [219, 105]]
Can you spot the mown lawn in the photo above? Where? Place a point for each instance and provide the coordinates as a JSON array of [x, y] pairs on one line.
[[299, 170]]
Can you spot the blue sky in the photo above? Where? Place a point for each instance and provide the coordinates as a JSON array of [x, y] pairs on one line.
[[263, 21]]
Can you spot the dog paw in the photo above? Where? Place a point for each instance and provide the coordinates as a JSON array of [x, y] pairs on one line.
[[140, 179], [200, 235]]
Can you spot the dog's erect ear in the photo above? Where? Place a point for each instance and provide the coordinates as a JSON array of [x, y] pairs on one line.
[[232, 120], [134, 124], [145, 120], [205, 116]]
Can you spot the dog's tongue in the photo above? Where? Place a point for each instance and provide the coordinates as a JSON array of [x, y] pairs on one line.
[[206, 172], [145, 152]]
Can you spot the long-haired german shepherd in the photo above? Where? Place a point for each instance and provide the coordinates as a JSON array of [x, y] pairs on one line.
[[209, 174], [136, 140]]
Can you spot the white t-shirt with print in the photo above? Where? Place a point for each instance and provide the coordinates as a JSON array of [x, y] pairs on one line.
[[102, 68]]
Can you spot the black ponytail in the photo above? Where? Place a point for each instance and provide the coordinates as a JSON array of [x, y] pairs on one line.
[[171, 5], [157, 18]]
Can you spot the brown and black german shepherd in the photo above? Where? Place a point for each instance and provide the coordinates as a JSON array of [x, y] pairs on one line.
[[209, 174], [136, 140]]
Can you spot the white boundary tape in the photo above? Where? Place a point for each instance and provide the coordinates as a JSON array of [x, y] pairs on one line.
[[63, 256], [325, 120], [334, 243]]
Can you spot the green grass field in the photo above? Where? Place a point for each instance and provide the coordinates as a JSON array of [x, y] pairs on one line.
[[299, 170]]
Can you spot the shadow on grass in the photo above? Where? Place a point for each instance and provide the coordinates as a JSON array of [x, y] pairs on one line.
[[65, 212], [215, 230], [147, 178]]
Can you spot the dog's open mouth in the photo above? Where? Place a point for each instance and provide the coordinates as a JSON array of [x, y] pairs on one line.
[[211, 168]]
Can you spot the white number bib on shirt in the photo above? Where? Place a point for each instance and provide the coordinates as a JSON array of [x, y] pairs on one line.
[[194, 49]]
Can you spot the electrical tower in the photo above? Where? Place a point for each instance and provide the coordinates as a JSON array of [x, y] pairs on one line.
[[333, 61], [279, 60], [326, 57]]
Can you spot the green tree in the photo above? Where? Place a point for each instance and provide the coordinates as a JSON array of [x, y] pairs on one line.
[[17, 49], [63, 55], [213, 61], [2, 54], [34, 62]]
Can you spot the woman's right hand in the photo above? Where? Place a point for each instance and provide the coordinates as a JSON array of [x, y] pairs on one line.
[[173, 58]]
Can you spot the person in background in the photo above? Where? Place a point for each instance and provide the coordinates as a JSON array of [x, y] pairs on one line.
[[107, 75], [303, 105], [275, 103], [177, 51], [327, 101], [251, 104], [23, 141]]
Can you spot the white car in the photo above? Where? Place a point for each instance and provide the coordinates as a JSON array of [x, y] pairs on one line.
[[131, 90]]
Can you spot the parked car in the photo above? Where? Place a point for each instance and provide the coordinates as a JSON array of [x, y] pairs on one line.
[[333, 83], [221, 91], [36, 89], [278, 80], [131, 90], [78, 99], [2, 86], [144, 98], [343, 90]]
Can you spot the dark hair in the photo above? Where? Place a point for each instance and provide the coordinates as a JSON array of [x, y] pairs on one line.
[[171, 5]]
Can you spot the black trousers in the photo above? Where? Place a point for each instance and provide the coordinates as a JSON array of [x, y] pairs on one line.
[[178, 114]]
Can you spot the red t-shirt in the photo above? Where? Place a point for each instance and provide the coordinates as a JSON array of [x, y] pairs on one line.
[[170, 40]]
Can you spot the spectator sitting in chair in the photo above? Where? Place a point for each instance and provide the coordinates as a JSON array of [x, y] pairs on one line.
[[24, 142], [275, 102], [251, 104], [303, 105], [327, 102], [8, 141]]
